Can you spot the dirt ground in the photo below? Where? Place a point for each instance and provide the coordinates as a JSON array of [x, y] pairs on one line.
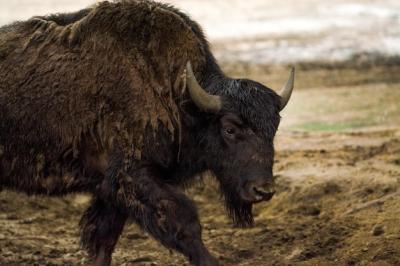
[[338, 199]]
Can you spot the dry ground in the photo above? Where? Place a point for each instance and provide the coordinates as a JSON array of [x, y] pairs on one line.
[[338, 175]]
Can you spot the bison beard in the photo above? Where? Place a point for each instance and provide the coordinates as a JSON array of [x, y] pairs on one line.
[[238, 210], [103, 101]]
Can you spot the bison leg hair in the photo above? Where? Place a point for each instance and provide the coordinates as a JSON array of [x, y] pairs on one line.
[[165, 213], [101, 226]]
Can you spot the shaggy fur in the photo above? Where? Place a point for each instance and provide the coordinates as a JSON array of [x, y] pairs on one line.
[[95, 101]]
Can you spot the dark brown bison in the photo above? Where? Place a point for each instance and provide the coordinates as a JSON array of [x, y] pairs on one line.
[[103, 101]]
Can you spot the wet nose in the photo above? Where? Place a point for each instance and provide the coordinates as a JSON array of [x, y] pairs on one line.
[[262, 190]]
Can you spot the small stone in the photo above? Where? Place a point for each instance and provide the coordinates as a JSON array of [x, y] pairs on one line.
[[378, 230], [12, 217], [83, 261], [133, 236], [245, 253], [143, 259], [27, 221], [295, 254]]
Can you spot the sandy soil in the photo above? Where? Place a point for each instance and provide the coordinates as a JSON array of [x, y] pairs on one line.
[[338, 200]]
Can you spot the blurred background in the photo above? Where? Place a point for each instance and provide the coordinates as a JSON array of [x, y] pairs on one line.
[[271, 31], [338, 146]]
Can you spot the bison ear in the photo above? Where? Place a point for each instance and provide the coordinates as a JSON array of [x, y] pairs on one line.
[[203, 100], [286, 91]]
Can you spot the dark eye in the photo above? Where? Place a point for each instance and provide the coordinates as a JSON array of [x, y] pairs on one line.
[[229, 131]]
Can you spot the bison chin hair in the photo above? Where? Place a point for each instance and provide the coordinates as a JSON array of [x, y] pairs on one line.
[[238, 210]]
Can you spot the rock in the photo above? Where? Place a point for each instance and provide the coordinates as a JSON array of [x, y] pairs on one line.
[[143, 259], [378, 230], [306, 210], [133, 236], [295, 254], [27, 221], [245, 253], [12, 217]]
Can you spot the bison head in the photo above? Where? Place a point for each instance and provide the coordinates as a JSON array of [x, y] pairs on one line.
[[238, 138]]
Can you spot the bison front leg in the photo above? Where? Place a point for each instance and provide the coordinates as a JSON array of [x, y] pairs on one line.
[[101, 226], [167, 214]]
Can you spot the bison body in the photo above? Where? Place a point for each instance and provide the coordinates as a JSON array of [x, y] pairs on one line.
[[103, 101]]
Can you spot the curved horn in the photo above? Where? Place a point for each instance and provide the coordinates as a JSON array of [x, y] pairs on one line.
[[286, 91], [206, 102]]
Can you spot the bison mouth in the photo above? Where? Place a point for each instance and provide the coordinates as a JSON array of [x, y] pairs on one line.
[[256, 194], [263, 195]]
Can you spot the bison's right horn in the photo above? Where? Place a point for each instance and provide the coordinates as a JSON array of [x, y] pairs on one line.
[[205, 101], [286, 91]]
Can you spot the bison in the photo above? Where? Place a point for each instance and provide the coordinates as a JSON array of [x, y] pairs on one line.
[[124, 100]]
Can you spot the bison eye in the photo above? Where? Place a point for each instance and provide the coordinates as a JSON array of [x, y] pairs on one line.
[[229, 131], [231, 127]]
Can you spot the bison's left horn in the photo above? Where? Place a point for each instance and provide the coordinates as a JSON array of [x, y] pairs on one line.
[[286, 91], [206, 102]]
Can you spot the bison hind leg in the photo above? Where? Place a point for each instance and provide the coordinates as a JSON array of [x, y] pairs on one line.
[[101, 225]]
